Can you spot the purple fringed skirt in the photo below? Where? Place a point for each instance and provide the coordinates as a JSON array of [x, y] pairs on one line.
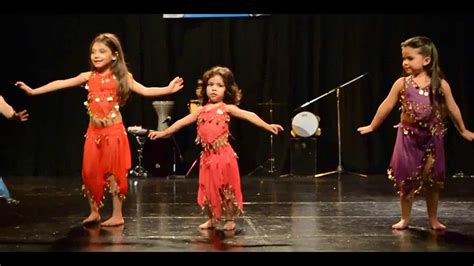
[[413, 146]]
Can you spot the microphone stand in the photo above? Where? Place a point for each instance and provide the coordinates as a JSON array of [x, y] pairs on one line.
[[339, 169]]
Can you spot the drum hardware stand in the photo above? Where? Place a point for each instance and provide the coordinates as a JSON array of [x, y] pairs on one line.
[[339, 169], [140, 135], [269, 165]]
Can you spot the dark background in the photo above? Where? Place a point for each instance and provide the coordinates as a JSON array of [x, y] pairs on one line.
[[289, 59]]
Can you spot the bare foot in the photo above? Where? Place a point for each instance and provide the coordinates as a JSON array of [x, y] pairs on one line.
[[436, 225], [209, 224], [229, 225], [113, 221], [93, 218], [402, 225]]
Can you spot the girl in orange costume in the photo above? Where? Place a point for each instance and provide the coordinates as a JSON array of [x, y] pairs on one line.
[[106, 149]]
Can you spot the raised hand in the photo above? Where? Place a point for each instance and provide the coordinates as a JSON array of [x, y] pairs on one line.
[[24, 87], [365, 130], [176, 84]]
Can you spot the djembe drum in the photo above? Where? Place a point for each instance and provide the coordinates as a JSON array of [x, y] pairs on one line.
[[163, 110], [157, 153]]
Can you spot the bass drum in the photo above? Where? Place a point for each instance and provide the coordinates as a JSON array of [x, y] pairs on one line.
[[304, 124]]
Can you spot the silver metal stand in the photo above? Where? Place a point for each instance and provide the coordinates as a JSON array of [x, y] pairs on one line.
[[268, 167], [339, 169], [139, 171]]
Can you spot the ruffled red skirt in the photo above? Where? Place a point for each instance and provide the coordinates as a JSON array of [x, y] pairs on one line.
[[106, 152], [219, 180]]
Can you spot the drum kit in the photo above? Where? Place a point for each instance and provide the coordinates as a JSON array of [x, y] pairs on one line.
[[303, 125], [339, 169], [163, 110], [155, 162]]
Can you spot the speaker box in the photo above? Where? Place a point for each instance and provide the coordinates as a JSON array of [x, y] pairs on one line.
[[303, 156]]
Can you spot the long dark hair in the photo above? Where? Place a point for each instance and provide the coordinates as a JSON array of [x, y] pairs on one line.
[[427, 48], [119, 67]]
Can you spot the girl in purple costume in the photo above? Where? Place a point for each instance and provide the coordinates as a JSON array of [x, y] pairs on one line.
[[418, 162]]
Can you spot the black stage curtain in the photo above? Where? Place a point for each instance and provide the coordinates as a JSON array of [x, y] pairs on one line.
[[288, 59]]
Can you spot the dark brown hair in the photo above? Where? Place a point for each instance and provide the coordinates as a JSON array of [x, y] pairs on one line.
[[232, 94]]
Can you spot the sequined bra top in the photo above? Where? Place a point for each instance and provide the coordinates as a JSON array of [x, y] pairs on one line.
[[418, 108], [102, 100], [213, 127]]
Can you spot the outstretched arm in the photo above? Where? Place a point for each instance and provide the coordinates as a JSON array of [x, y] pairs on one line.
[[455, 113], [253, 118], [10, 113], [385, 108], [175, 85], [55, 85], [191, 118]]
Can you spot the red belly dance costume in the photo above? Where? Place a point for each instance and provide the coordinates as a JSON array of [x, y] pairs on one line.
[[219, 178], [106, 148]]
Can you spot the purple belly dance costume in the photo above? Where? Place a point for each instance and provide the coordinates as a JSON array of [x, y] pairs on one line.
[[419, 137]]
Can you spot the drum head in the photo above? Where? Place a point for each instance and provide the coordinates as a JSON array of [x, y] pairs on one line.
[[137, 130], [305, 124]]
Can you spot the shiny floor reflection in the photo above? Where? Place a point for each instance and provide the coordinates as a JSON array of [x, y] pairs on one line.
[[286, 214]]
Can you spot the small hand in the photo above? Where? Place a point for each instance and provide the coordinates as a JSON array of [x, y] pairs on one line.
[[275, 128], [24, 87], [468, 135], [176, 84], [156, 134], [365, 130], [20, 116]]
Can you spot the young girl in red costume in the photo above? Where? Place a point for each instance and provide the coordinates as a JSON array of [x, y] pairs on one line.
[[219, 178], [106, 149]]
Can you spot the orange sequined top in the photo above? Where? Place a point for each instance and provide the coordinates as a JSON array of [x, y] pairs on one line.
[[102, 101]]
